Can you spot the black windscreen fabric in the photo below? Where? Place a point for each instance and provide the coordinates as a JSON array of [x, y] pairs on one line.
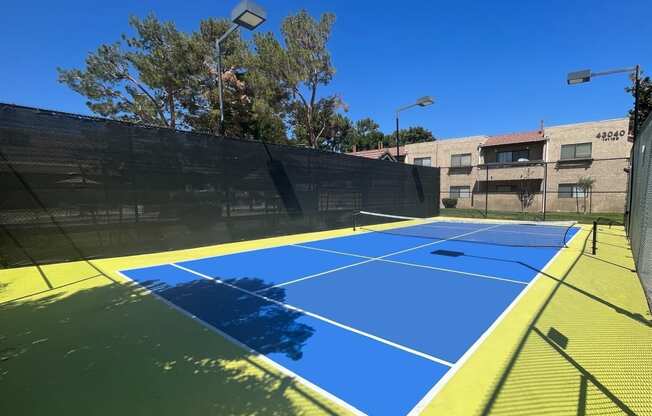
[[76, 187]]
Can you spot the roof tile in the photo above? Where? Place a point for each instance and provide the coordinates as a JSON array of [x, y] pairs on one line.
[[521, 137]]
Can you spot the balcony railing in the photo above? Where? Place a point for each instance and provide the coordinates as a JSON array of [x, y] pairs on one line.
[[502, 171]]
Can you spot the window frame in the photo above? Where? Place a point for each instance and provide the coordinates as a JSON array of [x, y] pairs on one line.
[[457, 190], [499, 191], [511, 155], [575, 191], [460, 156], [420, 159], [574, 146]]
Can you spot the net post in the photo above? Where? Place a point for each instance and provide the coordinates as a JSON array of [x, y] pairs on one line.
[[595, 232], [355, 215]]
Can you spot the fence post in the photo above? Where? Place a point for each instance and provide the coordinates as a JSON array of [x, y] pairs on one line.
[[595, 232], [486, 190], [545, 188]]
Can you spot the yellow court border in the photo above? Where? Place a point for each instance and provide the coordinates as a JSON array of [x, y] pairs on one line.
[[457, 393], [577, 343], [111, 267]]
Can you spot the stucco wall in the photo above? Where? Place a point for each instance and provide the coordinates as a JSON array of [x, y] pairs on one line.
[[609, 159]]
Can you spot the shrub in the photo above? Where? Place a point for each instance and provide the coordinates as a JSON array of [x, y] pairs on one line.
[[449, 202]]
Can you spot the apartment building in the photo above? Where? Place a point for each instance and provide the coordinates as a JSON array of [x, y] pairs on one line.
[[575, 167]]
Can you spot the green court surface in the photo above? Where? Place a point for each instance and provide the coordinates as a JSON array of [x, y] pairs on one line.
[[79, 339]]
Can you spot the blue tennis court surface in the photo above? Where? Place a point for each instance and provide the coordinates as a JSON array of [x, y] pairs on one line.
[[375, 319]]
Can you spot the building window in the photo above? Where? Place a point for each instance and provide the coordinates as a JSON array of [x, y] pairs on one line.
[[460, 192], [512, 155], [571, 190], [576, 151], [422, 161], [461, 161], [504, 188]]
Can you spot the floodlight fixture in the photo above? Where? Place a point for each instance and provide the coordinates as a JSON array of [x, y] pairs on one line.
[[579, 77], [585, 75], [421, 102], [248, 15], [425, 101]]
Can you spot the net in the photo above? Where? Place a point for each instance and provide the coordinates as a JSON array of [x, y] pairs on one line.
[[504, 233]]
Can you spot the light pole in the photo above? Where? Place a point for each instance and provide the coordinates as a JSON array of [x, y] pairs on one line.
[[421, 102], [585, 75], [248, 15]]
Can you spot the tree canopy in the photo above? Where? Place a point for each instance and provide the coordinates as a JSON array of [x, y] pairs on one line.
[[165, 77], [644, 101]]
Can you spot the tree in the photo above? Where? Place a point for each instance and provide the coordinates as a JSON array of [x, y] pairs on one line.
[[337, 134], [300, 68], [415, 134], [525, 192], [142, 83], [200, 101], [167, 78], [585, 183], [365, 135], [161, 76], [644, 101]]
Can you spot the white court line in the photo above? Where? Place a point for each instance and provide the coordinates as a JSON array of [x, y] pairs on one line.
[[423, 266], [459, 363], [311, 276], [380, 257], [262, 357], [321, 318]]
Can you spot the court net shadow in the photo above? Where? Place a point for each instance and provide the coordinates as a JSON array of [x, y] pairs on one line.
[[586, 351], [100, 348]]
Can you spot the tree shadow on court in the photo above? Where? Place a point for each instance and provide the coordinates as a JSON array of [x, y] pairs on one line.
[[565, 360], [261, 325], [103, 348]]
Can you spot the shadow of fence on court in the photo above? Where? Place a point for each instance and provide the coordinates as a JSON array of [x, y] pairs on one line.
[[582, 353]]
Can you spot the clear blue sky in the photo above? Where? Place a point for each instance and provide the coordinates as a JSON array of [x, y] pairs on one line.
[[493, 66]]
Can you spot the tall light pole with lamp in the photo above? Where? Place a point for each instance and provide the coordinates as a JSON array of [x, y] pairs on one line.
[[421, 102], [585, 75], [246, 14]]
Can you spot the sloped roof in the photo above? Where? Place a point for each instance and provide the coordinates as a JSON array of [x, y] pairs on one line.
[[520, 137], [378, 153]]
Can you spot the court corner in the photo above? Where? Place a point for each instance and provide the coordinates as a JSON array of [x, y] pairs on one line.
[[577, 342]]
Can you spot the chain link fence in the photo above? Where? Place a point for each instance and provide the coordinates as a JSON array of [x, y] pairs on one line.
[[640, 224], [76, 187], [537, 190]]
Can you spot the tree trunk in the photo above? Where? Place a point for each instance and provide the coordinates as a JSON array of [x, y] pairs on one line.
[[173, 115]]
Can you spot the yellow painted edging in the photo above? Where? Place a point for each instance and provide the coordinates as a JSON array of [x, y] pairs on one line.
[[605, 366], [465, 394], [461, 394], [46, 325]]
